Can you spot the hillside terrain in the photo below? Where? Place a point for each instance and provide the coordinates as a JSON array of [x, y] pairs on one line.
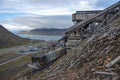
[[43, 31], [9, 39], [97, 57], [13, 63], [91, 56]]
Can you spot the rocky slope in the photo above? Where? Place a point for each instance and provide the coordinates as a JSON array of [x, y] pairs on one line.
[[51, 31], [88, 60], [9, 39]]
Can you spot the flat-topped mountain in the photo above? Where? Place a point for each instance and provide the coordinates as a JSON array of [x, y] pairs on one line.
[[9, 39], [45, 31]]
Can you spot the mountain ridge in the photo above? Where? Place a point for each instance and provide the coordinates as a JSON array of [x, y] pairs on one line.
[[45, 31], [9, 39]]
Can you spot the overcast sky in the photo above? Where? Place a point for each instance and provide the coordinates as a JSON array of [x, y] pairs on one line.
[[30, 14]]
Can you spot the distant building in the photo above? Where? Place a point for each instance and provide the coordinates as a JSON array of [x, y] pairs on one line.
[[83, 15], [75, 38]]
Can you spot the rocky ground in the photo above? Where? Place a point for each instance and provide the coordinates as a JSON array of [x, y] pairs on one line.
[[88, 60], [97, 57], [16, 67]]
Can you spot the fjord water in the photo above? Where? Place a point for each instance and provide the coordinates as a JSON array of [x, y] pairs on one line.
[[40, 37]]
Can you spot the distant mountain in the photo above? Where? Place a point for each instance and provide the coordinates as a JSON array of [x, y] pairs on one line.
[[44, 31], [9, 39]]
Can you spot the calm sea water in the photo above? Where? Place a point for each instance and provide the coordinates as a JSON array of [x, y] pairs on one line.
[[40, 37]]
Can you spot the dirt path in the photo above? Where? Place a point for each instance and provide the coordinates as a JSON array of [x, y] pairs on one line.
[[9, 54], [16, 58]]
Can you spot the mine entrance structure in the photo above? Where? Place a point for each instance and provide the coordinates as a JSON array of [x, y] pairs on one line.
[[42, 61], [79, 31], [79, 16], [83, 15], [90, 26]]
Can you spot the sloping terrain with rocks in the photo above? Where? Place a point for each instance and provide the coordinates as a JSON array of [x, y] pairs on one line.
[[97, 57]]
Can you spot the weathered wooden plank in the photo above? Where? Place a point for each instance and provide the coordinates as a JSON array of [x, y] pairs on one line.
[[113, 62], [106, 73], [111, 69]]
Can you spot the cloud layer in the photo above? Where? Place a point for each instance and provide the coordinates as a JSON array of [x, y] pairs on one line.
[[29, 14]]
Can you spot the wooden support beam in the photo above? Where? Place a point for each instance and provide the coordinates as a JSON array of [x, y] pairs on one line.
[[106, 73], [113, 62], [111, 69], [86, 22]]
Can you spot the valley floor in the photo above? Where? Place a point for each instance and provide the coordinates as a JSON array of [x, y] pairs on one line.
[[13, 63]]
